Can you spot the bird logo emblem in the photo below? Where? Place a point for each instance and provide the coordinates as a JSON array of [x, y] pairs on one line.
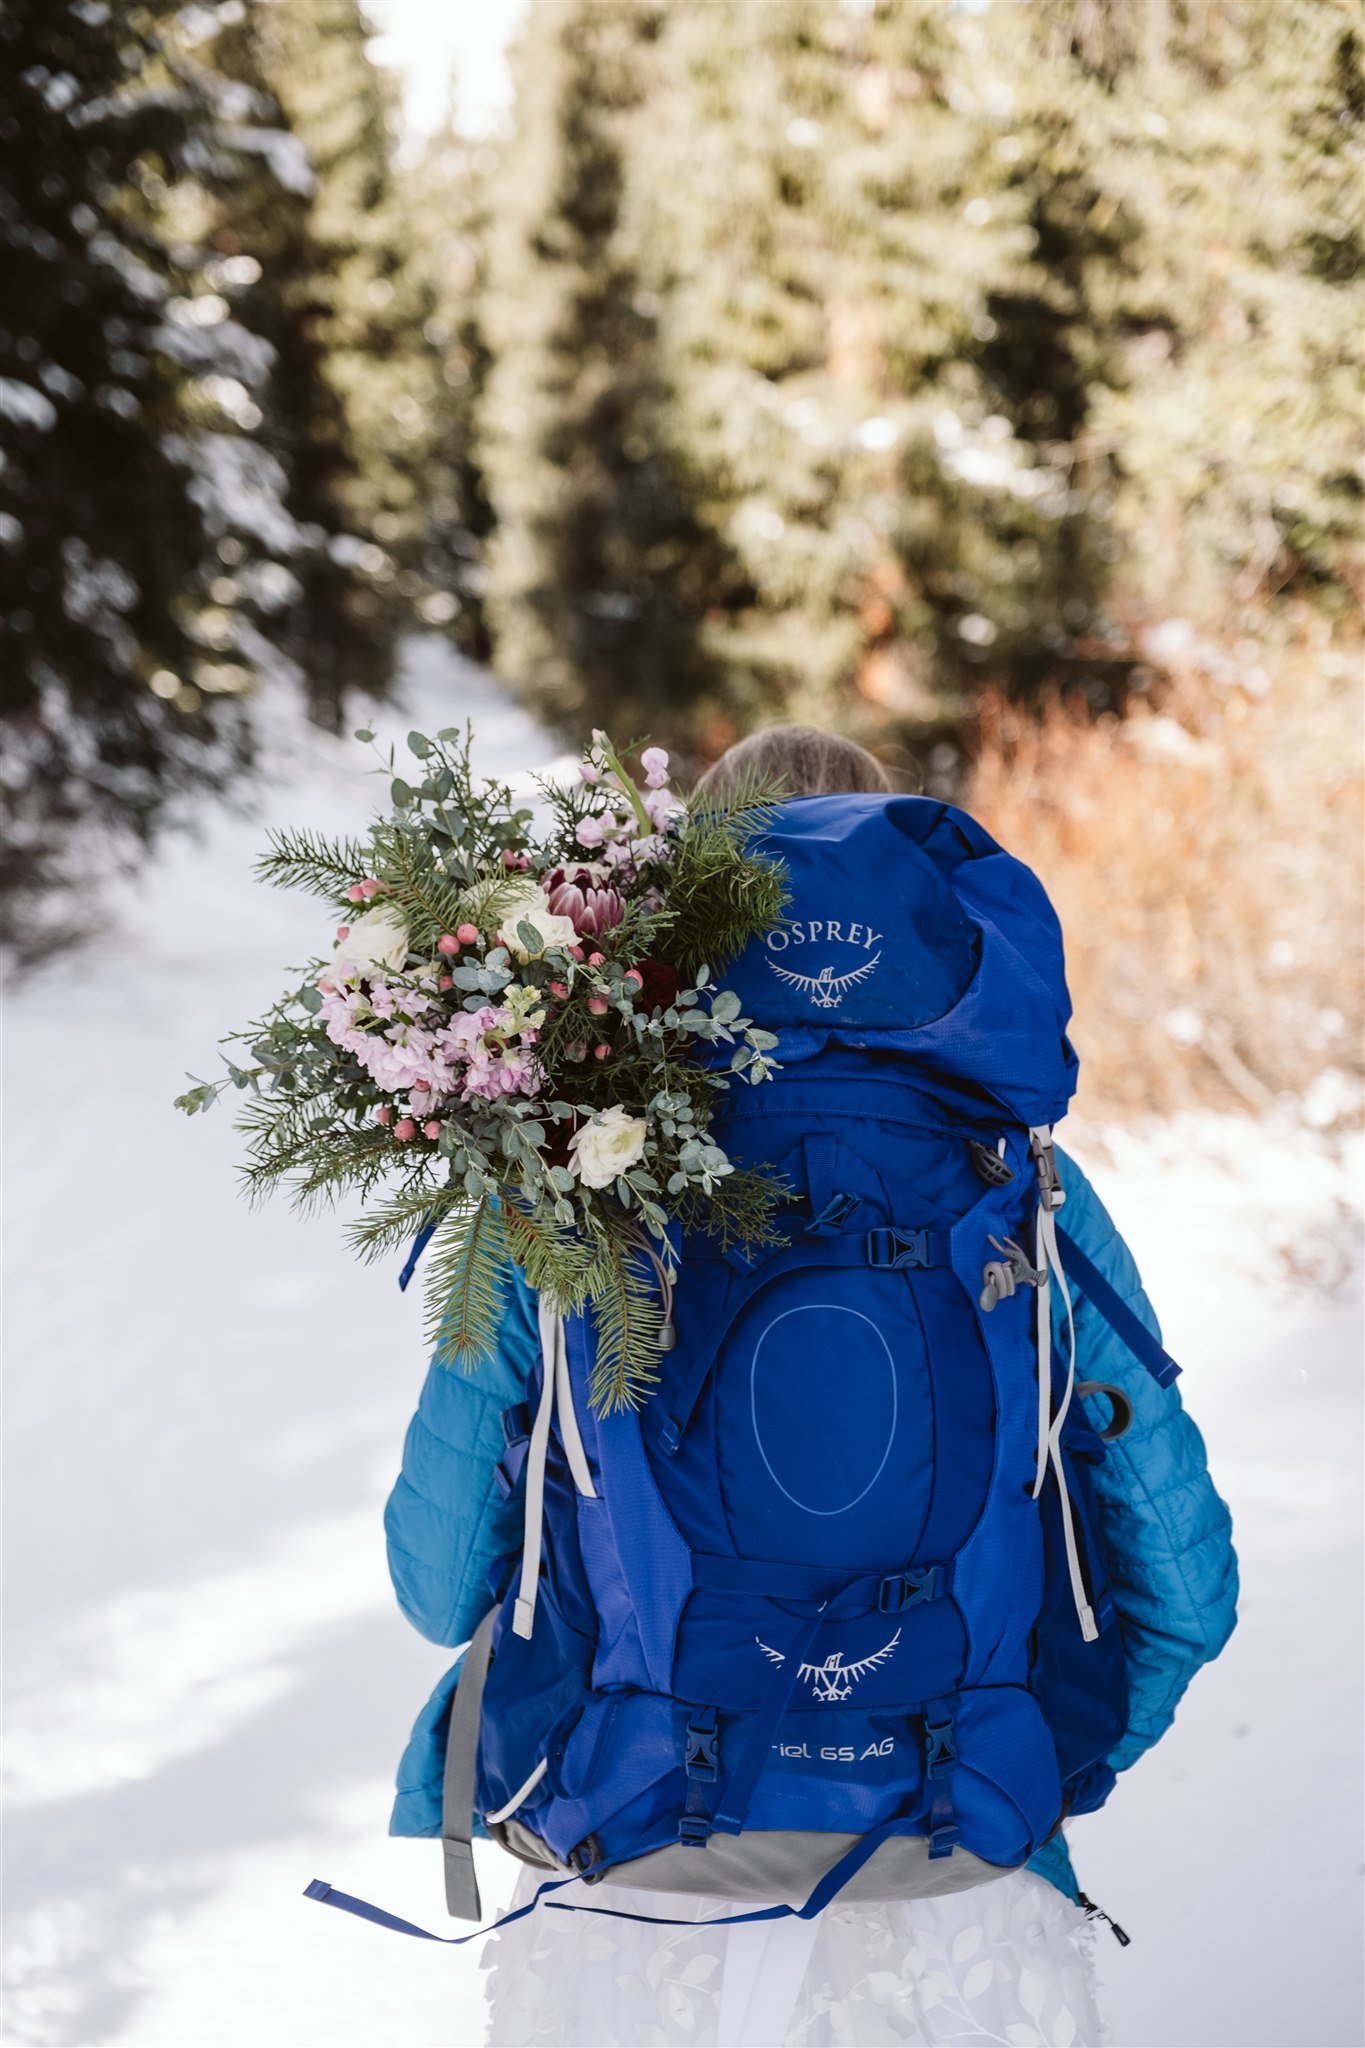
[[834, 1680], [826, 989]]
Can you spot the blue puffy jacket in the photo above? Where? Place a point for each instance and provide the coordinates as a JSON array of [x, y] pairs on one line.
[[452, 1538]]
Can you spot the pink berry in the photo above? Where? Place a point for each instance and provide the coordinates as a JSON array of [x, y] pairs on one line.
[[577, 1050], [575, 952], [560, 989], [509, 859], [598, 1005], [356, 893], [448, 944], [601, 1052], [633, 978], [431, 1130], [404, 1129], [596, 959], [343, 931], [371, 888], [383, 1115], [447, 981], [467, 934]]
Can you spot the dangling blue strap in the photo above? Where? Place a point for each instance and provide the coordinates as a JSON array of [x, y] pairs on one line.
[[419, 1245], [328, 1895], [1116, 1312], [829, 1887]]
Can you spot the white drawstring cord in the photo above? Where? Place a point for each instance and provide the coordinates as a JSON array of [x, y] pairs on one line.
[[555, 1382], [523, 1792], [1048, 1258]]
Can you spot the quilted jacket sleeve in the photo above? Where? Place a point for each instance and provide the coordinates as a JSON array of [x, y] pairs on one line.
[[1167, 1534], [447, 1525]]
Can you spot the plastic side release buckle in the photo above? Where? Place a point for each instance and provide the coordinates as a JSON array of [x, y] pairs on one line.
[[911, 1588], [702, 1753], [1050, 1190], [694, 1831], [940, 1748], [943, 1840], [892, 1246]]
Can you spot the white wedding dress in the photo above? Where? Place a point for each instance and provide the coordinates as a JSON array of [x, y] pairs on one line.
[[1009, 1962]]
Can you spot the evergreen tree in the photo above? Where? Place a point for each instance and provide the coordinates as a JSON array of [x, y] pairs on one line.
[[598, 569], [115, 365], [348, 396], [446, 192]]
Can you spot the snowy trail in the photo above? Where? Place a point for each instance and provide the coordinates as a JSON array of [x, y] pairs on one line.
[[208, 1681]]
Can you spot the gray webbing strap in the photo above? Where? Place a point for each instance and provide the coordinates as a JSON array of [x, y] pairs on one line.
[[457, 1803]]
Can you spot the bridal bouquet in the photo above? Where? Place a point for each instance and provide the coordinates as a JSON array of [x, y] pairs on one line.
[[517, 1043]]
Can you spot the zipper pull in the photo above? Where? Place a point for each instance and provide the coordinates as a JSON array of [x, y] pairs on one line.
[[1094, 1912]]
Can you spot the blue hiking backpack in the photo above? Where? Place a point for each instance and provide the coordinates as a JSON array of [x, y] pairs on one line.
[[829, 1611]]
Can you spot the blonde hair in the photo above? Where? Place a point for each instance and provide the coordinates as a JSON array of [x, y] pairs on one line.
[[805, 760]]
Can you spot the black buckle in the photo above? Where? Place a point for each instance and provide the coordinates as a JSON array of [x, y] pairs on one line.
[[910, 1588], [702, 1753], [895, 1247], [583, 1856]]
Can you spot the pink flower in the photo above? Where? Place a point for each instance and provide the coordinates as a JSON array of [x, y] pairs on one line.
[[404, 1129], [591, 831], [343, 932], [654, 761], [662, 806], [587, 772], [574, 894]]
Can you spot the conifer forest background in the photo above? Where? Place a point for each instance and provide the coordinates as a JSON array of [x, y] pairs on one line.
[[981, 380]]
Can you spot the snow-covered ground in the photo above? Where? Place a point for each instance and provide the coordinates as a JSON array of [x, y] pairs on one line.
[[209, 1684]]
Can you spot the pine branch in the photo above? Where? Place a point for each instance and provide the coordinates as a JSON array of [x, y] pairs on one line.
[[467, 1284], [627, 1320], [300, 859], [390, 1225]]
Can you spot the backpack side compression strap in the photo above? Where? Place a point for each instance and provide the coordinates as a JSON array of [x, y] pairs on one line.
[[1116, 1312], [457, 1797]]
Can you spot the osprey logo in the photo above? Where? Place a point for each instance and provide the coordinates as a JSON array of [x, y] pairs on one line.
[[822, 984], [834, 1680]]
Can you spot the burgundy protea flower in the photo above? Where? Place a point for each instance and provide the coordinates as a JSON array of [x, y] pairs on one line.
[[577, 893]]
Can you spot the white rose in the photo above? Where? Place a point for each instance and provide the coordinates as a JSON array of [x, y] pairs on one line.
[[377, 939], [531, 907], [611, 1144]]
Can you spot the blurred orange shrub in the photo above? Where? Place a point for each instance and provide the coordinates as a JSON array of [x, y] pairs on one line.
[[1205, 858]]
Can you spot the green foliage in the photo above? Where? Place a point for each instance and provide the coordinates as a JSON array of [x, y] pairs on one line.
[[960, 344], [487, 1160]]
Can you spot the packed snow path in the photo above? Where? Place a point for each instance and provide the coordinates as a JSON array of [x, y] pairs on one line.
[[209, 1683]]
